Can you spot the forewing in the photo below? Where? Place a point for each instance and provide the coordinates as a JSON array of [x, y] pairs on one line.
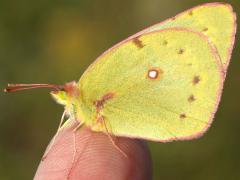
[[164, 86]]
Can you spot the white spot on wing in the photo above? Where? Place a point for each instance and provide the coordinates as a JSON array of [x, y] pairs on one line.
[[152, 74]]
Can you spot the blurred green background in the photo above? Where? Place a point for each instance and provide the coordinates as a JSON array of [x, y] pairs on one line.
[[55, 41]]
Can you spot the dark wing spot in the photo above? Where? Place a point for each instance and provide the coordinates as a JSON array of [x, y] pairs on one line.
[[196, 80], [191, 98], [181, 51], [107, 96], [173, 18], [165, 42], [138, 42], [190, 13], [182, 116], [100, 103], [205, 29]]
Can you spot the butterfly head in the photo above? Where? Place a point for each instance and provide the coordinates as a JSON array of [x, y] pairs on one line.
[[67, 93], [61, 93]]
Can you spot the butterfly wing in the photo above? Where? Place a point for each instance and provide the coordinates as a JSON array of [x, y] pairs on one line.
[[164, 85], [215, 20]]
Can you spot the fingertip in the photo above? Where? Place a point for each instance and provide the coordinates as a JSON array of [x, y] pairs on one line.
[[95, 158]]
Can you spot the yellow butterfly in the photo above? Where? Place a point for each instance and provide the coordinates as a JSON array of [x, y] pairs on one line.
[[163, 83]]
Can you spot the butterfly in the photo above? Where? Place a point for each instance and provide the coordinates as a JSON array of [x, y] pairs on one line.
[[162, 84]]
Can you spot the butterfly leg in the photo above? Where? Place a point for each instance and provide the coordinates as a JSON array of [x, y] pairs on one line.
[[74, 139], [54, 137], [101, 120], [74, 147]]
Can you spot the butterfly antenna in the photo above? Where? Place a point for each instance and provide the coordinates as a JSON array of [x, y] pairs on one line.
[[20, 87], [113, 142]]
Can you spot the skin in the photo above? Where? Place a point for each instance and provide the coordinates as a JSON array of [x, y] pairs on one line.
[[95, 157]]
